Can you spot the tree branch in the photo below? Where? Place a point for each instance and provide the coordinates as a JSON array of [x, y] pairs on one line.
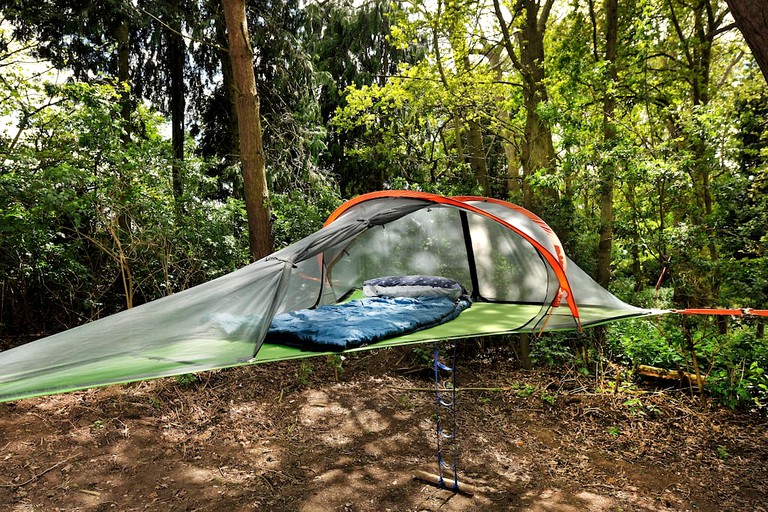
[[713, 34], [541, 24], [680, 33], [35, 477], [506, 40]]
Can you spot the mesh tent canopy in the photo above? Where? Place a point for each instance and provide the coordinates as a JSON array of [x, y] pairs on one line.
[[509, 259]]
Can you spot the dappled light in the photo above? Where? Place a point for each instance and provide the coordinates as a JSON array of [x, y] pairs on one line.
[[243, 244], [289, 437]]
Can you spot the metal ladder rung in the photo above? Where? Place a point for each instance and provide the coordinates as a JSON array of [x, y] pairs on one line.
[[446, 465], [444, 435]]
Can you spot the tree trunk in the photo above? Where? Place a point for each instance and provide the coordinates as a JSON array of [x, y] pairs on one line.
[[512, 185], [752, 19], [477, 156], [694, 360], [525, 350], [123, 78], [125, 283], [458, 134], [249, 130], [538, 152], [608, 172], [232, 153], [176, 58]]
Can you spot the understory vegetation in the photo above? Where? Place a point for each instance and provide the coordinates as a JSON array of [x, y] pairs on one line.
[[637, 130]]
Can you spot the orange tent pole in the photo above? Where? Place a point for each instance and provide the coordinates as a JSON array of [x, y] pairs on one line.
[[553, 260]]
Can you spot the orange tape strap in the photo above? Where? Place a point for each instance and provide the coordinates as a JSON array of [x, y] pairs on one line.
[[721, 311]]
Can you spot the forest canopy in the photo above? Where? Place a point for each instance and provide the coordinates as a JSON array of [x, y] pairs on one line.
[[637, 130]]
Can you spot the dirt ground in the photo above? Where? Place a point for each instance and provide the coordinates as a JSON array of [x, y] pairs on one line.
[[288, 436]]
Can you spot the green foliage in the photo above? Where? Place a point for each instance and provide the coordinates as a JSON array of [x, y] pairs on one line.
[[336, 362], [89, 223], [552, 349], [297, 213], [733, 363], [523, 390], [641, 342], [304, 372], [421, 355], [548, 398], [186, 380], [638, 408]]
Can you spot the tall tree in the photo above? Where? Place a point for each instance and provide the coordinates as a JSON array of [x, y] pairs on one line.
[[176, 58], [752, 19], [525, 50], [351, 46], [608, 171], [696, 27], [252, 159]]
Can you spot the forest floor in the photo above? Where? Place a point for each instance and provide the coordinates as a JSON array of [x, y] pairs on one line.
[[288, 436]]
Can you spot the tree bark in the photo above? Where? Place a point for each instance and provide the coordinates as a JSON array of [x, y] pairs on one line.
[[512, 185], [477, 156], [123, 78], [608, 171], [524, 344], [176, 58], [751, 17], [249, 129], [538, 152], [232, 151]]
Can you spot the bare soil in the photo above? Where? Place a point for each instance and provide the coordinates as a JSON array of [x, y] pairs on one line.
[[289, 436]]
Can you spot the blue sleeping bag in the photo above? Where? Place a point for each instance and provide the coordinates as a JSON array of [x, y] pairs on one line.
[[362, 321]]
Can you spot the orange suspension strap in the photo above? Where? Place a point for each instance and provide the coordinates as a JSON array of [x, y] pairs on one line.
[[722, 311]]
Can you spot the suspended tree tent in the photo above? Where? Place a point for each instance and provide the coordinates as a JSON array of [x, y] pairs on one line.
[[509, 260]]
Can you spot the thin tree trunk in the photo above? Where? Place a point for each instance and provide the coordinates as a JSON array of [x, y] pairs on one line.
[[608, 171], [176, 58], [477, 156], [249, 130], [512, 185], [694, 359], [125, 284], [123, 78], [538, 149], [525, 351], [458, 134]]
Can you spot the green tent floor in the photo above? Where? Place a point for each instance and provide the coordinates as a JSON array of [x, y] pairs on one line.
[[482, 319], [188, 356]]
